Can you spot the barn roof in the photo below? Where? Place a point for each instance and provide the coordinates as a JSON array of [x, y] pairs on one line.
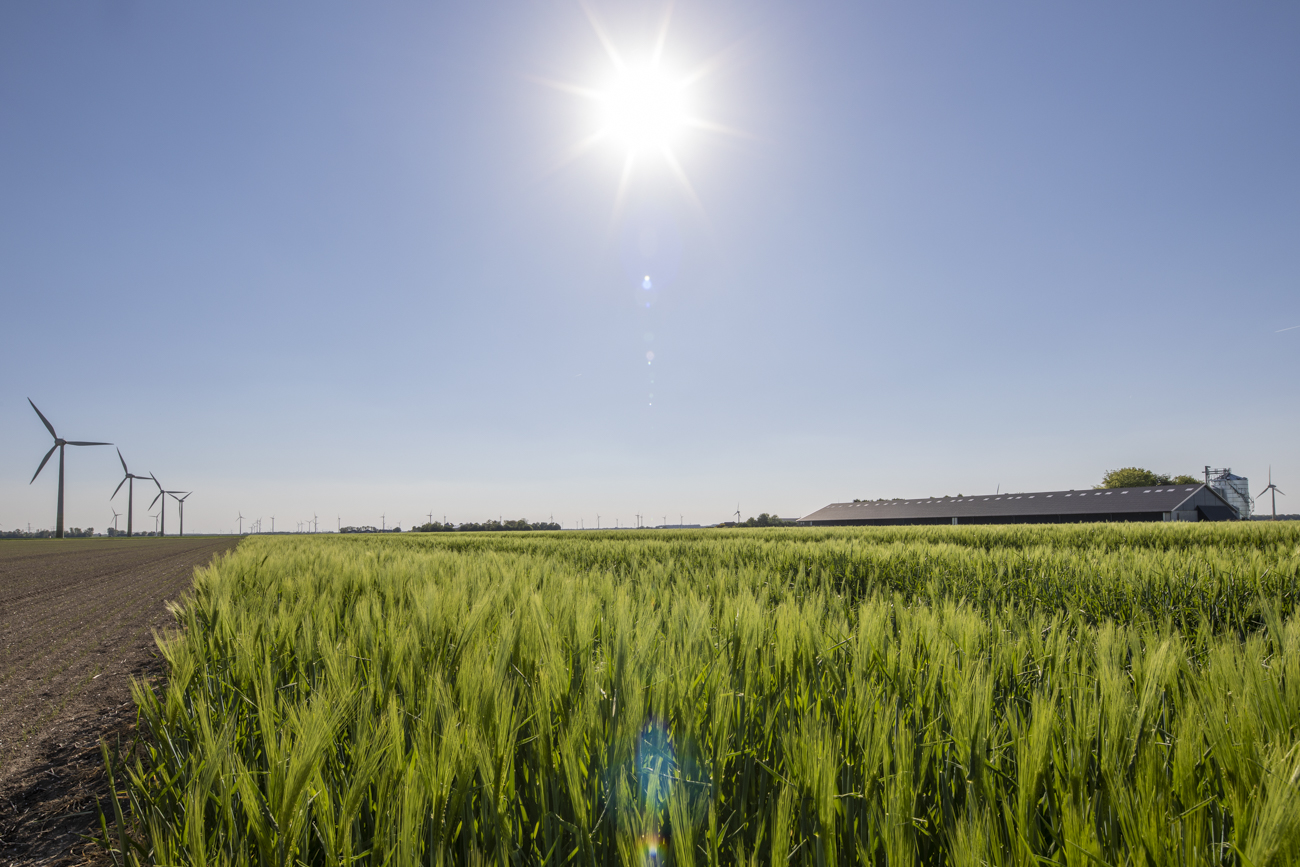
[[1112, 501]]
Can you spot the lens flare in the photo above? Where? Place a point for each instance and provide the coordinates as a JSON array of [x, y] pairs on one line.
[[651, 848]]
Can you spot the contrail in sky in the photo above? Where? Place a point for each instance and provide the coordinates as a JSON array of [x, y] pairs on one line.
[[1292, 328]]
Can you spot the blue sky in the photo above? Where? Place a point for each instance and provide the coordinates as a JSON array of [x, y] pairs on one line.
[[331, 258]]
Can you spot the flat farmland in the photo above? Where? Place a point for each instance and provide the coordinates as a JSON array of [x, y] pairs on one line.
[[77, 618], [1071, 695]]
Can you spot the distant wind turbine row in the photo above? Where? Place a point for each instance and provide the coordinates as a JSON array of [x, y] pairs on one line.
[[128, 479]]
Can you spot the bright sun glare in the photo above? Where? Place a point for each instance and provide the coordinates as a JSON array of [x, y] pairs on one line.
[[645, 109]]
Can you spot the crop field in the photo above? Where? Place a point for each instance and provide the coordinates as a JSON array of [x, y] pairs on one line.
[[1071, 695], [77, 618]]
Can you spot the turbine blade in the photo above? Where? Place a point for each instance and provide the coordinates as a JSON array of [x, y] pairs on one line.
[[44, 460], [123, 460], [1279, 490], [118, 488], [155, 500], [72, 443], [155, 481], [49, 427]]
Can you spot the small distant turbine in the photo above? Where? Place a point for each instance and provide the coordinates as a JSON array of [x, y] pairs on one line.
[[116, 515], [58, 444], [162, 510], [1272, 489], [241, 523], [180, 501], [129, 480]]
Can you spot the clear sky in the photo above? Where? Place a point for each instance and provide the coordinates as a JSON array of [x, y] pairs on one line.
[[349, 259]]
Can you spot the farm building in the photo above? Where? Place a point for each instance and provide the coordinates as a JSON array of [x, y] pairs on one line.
[[1154, 503]]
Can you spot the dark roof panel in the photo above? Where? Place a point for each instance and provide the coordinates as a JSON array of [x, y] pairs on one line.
[[1112, 501]]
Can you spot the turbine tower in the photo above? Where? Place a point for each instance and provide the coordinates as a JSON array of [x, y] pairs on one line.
[[241, 523], [129, 478], [162, 510], [181, 504], [58, 444], [1271, 489], [116, 515]]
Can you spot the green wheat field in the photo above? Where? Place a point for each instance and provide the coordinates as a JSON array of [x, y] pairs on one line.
[[1073, 695]]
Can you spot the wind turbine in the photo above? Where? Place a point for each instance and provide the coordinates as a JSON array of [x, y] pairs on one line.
[[116, 515], [738, 514], [58, 444], [162, 510], [241, 523], [129, 479], [181, 503], [273, 524], [1274, 490]]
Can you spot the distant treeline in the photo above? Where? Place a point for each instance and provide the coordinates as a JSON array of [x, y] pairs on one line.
[[489, 526], [369, 529], [763, 520], [75, 532]]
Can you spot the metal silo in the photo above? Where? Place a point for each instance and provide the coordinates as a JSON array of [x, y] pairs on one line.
[[1233, 488]]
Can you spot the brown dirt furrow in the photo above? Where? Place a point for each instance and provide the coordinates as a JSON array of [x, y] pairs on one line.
[[77, 619], [81, 621]]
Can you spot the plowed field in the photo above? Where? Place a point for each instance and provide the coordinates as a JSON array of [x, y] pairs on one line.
[[77, 618]]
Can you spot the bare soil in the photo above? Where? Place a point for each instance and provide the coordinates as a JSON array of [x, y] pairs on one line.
[[77, 624]]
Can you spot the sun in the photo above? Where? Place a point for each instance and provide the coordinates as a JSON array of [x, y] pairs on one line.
[[645, 109]]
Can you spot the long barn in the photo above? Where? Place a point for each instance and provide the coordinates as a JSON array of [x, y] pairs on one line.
[[1152, 503]]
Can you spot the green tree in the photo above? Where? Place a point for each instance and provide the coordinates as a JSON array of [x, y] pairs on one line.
[[1136, 477]]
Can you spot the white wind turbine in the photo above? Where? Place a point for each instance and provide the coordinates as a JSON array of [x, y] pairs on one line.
[[1271, 489]]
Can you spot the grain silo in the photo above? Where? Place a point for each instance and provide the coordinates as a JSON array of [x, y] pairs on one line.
[[1233, 488]]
